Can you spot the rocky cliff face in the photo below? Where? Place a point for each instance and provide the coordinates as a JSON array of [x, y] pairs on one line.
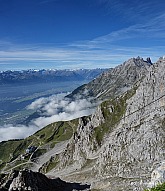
[[124, 140], [137, 144]]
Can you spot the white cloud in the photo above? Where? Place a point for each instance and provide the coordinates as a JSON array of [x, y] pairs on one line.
[[16, 132], [54, 108], [58, 108], [154, 28], [62, 116]]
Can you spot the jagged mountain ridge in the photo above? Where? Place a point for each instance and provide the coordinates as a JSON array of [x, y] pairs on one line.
[[117, 147], [114, 81], [134, 145], [133, 142]]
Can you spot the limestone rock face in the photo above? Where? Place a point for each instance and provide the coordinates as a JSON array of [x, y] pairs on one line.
[[132, 145], [137, 144], [83, 145]]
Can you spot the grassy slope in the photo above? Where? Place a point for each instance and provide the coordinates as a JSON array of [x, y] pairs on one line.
[[113, 110], [49, 135]]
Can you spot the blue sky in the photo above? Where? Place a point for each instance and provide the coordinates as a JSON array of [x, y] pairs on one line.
[[79, 33]]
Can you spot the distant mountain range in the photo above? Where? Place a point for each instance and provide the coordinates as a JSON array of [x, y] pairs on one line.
[[49, 75]]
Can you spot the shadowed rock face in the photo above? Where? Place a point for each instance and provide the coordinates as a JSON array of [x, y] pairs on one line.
[[35, 181]]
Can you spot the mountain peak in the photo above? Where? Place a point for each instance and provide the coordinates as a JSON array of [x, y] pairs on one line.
[[115, 80], [139, 62]]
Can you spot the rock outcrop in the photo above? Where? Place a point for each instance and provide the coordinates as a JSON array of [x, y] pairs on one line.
[[128, 142], [35, 181]]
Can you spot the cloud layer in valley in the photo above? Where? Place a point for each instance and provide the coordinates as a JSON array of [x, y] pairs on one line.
[[51, 109], [54, 108], [9, 131]]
